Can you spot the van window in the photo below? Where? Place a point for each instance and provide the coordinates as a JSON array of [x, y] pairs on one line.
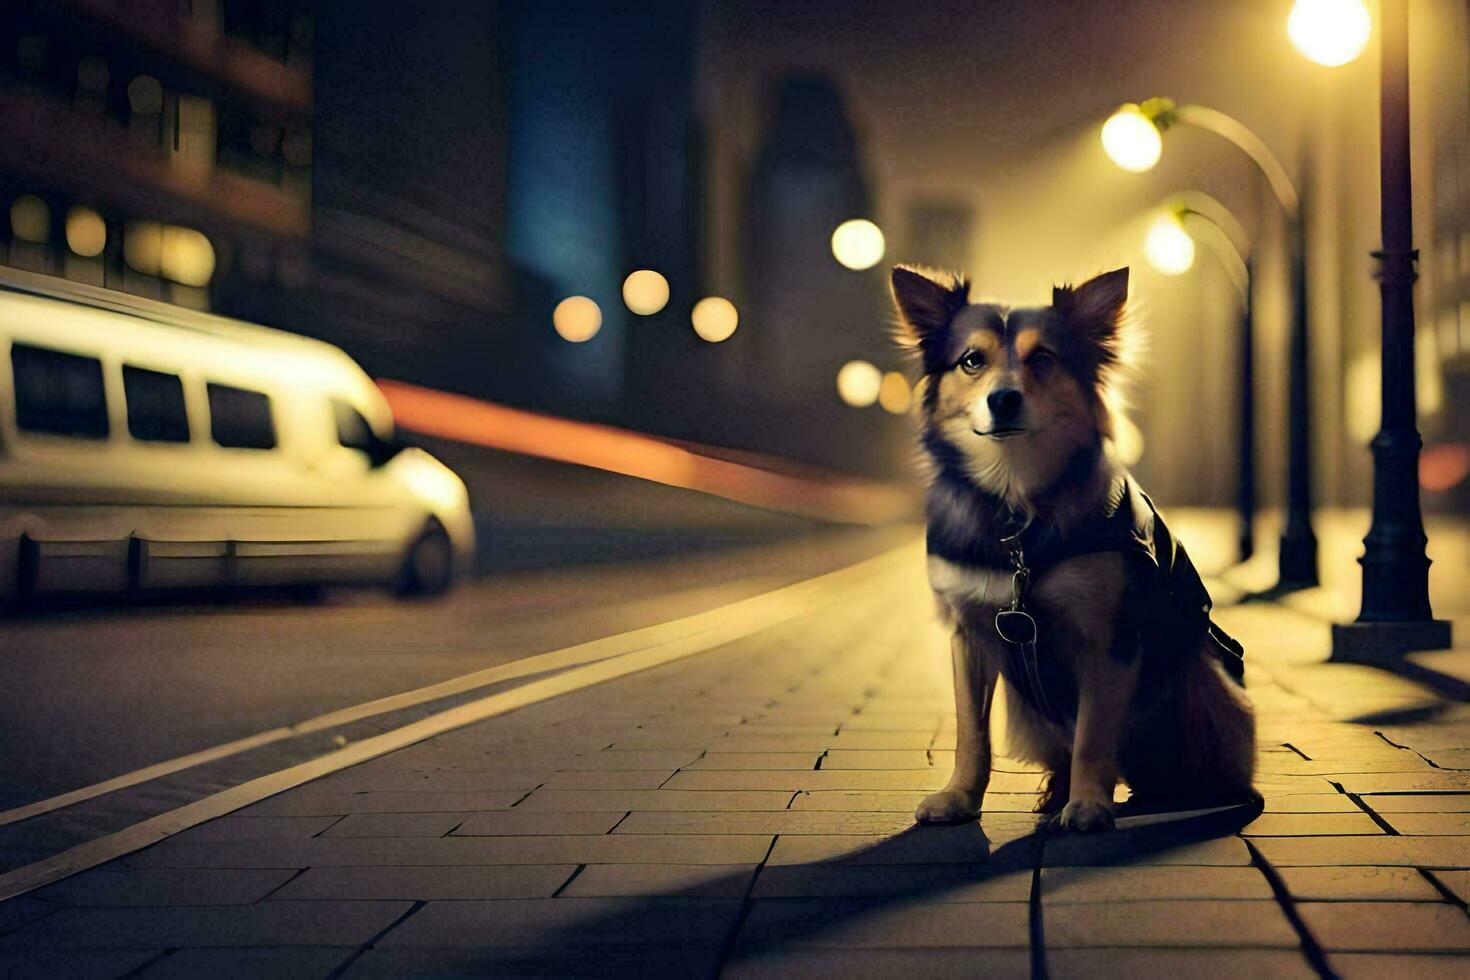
[[353, 430], [58, 393], [155, 405], [240, 419]]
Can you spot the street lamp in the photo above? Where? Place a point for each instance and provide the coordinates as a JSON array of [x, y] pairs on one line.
[[1395, 616], [1298, 556], [1227, 239]]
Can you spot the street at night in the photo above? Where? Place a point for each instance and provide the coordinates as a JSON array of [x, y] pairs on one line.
[[734, 489]]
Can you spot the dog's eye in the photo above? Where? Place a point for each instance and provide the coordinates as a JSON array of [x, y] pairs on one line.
[[1041, 362], [972, 361]]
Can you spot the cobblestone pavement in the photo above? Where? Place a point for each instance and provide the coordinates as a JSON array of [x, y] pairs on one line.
[[748, 812]]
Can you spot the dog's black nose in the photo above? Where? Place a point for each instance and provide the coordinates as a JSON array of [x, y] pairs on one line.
[[1005, 404]]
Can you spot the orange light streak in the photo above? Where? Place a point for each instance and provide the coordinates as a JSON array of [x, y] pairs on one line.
[[462, 419]]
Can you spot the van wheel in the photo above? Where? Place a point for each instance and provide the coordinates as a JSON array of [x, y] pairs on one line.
[[428, 568]]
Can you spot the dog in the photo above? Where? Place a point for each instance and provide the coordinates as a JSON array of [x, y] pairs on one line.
[[1055, 572]]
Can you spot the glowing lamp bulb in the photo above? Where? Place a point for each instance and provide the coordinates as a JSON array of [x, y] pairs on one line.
[[1168, 247], [714, 318], [1131, 140], [858, 244], [645, 292], [1329, 32], [858, 383], [577, 319]]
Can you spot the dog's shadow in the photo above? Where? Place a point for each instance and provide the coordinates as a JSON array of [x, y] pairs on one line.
[[686, 932]]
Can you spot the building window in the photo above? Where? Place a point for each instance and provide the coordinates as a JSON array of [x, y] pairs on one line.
[[240, 419], [155, 405], [57, 393]]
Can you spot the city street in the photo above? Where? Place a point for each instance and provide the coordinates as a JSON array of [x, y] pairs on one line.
[[730, 792]]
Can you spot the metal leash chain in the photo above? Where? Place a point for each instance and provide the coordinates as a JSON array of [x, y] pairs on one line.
[[1017, 627]]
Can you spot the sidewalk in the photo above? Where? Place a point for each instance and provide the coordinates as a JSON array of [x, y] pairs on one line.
[[748, 812]]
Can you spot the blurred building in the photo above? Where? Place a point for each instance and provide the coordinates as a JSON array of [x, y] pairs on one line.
[[160, 148]]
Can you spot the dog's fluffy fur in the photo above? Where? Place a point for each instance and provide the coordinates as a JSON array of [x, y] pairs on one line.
[[1016, 415]]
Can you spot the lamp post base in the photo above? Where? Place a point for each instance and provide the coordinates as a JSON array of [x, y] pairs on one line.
[[1373, 643]]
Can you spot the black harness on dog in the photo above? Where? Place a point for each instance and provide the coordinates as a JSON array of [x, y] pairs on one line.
[[1166, 607]]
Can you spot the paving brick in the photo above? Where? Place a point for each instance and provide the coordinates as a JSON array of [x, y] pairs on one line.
[[1310, 803], [72, 964], [263, 924], [922, 845], [1438, 780], [1131, 964], [880, 964], [103, 887], [1418, 802], [18, 911], [255, 828], [533, 822], [636, 759], [373, 778], [654, 799], [311, 801], [926, 882], [1386, 925], [847, 779], [1072, 885], [765, 822], [1184, 922], [566, 922], [631, 961], [428, 884], [1080, 850], [1392, 966], [300, 963], [1430, 824], [1456, 881], [614, 779], [1358, 884], [681, 880], [874, 924], [902, 801], [320, 852], [756, 760], [396, 825], [1311, 825], [1431, 852], [883, 759]]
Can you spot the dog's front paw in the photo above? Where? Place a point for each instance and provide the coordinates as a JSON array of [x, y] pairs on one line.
[[949, 806], [1086, 816]]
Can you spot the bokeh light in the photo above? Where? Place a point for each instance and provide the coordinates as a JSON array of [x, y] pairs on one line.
[[143, 246], [1444, 466], [894, 393], [186, 256], [645, 292], [1168, 247], [1131, 139], [1329, 32], [858, 383], [714, 318], [577, 319], [86, 232], [858, 244], [30, 218]]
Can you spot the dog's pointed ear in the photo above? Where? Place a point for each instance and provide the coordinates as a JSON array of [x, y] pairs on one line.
[[927, 301], [1099, 301], [1096, 308]]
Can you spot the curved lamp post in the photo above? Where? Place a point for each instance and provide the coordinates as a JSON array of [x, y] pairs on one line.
[[1133, 138], [1229, 243], [1395, 616]]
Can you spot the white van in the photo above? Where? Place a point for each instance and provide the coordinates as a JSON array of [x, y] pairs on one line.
[[145, 447]]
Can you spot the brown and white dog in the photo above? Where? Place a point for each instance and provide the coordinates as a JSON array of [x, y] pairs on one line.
[[1136, 681]]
